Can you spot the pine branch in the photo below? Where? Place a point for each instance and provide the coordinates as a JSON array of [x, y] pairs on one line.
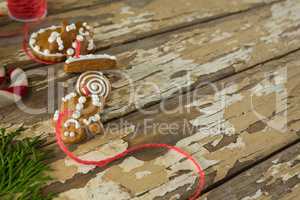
[[22, 167]]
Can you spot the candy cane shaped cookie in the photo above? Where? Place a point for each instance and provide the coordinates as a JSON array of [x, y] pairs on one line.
[[16, 90], [93, 83]]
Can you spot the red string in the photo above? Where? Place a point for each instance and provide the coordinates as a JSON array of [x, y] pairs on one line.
[[78, 46], [103, 163], [27, 9]]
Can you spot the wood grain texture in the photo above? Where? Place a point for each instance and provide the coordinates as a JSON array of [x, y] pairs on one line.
[[118, 22], [226, 127], [174, 62], [276, 178]]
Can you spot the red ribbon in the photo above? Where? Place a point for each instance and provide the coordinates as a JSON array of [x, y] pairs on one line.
[[103, 163]]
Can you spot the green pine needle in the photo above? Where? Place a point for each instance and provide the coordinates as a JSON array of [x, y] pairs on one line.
[[22, 167]]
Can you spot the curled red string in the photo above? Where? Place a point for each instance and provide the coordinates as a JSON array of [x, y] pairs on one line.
[[27, 10], [103, 163]]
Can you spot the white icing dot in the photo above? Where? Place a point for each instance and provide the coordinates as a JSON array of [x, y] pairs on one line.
[[46, 51], [79, 106], [82, 100], [72, 134], [76, 115], [36, 48], [66, 133], [79, 38], [84, 24], [70, 27], [70, 51], [97, 117]]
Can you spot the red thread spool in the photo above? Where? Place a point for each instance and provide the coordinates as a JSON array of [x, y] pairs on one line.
[[27, 10]]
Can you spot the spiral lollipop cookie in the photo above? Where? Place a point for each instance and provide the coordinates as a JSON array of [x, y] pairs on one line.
[[93, 84]]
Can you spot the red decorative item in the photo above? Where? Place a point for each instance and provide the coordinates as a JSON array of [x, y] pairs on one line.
[[27, 10], [16, 90], [105, 162]]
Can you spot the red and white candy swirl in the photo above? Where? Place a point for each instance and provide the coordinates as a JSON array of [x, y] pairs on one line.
[[17, 88], [93, 83]]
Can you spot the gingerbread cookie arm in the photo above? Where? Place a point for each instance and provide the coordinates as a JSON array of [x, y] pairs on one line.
[[90, 63]]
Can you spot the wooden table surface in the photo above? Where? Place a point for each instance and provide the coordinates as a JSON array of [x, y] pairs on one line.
[[227, 72]]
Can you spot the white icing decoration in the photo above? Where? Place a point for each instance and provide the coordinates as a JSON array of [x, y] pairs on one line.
[[91, 45], [90, 57], [86, 122], [97, 117], [79, 38], [46, 52], [70, 51], [70, 27], [84, 24], [56, 115], [72, 134], [53, 37], [72, 121], [76, 115], [32, 41], [60, 43], [36, 48], [81, 31], [33, 35], [82, 100], [66, 133], [74, 45], [42, 30], [79, 106]]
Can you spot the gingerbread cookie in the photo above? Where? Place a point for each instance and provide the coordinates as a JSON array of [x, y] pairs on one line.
[[89, 62], [56, 43], [85, 107]]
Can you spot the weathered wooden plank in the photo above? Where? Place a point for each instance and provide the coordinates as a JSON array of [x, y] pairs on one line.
[[123, 21], [276, 178], [174, 62], [55, 7], [226, 127]]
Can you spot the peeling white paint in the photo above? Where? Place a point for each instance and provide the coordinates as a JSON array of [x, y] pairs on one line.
[[255, 196], [96, 189], [140, 175], [131, 163], [106, 151]]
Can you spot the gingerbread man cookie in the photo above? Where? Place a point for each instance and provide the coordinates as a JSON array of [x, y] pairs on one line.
[[56, 43], [85, 106]]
